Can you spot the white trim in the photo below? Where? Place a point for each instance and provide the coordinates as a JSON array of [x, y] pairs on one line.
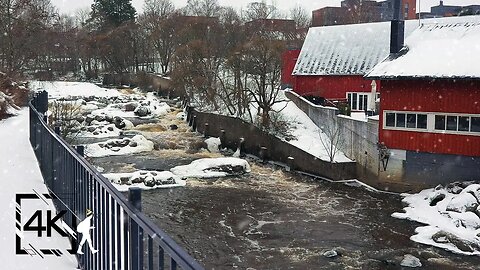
[[430, 123], [369, 97]]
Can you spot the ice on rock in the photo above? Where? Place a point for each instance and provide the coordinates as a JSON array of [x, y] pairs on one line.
[[212, 167], [117, 147], [213, 144], [411, 261], [330, 253]]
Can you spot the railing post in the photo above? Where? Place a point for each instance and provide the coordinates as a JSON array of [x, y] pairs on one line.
[[136, 233], [80, 150]]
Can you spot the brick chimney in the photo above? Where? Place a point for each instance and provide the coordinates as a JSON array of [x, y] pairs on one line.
[[397, 30]]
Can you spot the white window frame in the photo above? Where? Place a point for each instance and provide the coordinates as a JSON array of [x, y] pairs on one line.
[[430, 122], [359, 94]]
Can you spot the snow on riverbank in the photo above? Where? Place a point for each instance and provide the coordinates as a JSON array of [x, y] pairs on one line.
[[117, 147], [212, 167], [451, 216], [58, 89], [308, 136]]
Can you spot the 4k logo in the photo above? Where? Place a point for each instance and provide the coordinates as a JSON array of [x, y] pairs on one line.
[[43, 227]]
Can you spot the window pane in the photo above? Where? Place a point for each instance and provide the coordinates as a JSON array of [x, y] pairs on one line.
[[451, 123], [422, 121], [400, 120], [475, 124], [365, 102], [463, 123], [440, 122], [411, 120], [354, 101], [390, 120]]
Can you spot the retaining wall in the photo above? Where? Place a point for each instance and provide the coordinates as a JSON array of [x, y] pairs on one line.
[[277, 150]]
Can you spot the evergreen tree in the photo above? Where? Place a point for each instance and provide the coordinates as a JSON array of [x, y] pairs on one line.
[[113, 12]]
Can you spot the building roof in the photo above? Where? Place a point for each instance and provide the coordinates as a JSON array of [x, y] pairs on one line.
[[346, 49], [448, 48]]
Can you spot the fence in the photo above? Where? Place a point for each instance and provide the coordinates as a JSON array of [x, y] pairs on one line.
[[124, 236]]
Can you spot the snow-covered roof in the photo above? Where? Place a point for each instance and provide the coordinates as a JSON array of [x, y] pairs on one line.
[[345, 49], [444, 49]]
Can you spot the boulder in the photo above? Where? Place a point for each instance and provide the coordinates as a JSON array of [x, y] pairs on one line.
[[173, 127], [463, 202], [330, 253], [462, 244], [131, 106], [142, 111], [411, 261], [436, 197]]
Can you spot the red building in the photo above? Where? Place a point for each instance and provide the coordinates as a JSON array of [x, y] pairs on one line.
[[289, 59], [357, 11], [430, 104], [334, 59]]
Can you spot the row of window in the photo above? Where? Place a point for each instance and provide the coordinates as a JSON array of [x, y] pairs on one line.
[[457, 123], [406, 120], [432, 122]]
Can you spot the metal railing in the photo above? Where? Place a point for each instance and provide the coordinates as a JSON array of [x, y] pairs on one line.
[[125, 237]]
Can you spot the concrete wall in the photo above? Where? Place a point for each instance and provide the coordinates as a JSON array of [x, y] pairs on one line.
[[360, 137], [277, 149]]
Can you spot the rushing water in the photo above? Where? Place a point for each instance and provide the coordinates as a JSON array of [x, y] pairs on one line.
[[271, 219]]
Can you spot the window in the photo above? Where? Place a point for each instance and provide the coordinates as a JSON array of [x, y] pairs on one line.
[[358, 101], [440, 122], [390, 120], [411, 120], [452, 123], [463, 123], [400, 120], [475, 124], [422, 121]]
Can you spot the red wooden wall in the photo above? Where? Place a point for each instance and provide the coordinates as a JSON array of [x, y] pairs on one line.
[[289, 59], [431, 96], [332, 87]]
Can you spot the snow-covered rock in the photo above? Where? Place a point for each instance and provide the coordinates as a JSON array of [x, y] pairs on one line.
[[117, 147], [212, 167], [145, 180], [451, 223], [181, 116], [463, 202], [410, 261], [213, 144], [100, 131]]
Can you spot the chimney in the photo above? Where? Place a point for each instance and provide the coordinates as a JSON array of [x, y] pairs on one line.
[[397, 30]]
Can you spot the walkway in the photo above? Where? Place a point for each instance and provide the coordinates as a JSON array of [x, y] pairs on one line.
[[19, 173]]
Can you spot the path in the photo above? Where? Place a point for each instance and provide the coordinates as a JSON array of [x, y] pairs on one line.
[[19, 173]]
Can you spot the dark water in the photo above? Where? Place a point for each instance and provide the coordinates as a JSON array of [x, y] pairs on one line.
[[271, 219]]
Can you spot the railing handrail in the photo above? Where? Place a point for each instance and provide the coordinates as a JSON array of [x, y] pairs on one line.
[[182, 258]]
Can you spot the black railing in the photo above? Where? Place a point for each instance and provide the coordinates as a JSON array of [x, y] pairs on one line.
[[124, 236]]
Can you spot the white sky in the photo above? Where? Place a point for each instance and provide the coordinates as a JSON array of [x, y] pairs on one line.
[[69, 6]]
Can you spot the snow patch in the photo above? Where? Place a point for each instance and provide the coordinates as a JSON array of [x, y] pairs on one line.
[[212, 167], [145, 180], [213, 144]]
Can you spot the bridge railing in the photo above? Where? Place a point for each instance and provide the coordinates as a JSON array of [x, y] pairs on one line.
[[124, 237]]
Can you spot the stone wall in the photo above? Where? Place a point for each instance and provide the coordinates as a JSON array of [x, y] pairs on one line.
[[273, 148], [359, 137]]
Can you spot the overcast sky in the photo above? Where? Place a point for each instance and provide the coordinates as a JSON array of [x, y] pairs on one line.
[[69, 6]]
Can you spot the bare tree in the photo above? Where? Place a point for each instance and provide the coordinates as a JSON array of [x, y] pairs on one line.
[[158, 8], [260, 10], [261, 62], [332, 138], [207, 8], [299, 14]]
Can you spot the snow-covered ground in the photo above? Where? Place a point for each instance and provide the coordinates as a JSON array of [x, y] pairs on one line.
[[451, 216], [20, 174], [307, 135], [58, 89]]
